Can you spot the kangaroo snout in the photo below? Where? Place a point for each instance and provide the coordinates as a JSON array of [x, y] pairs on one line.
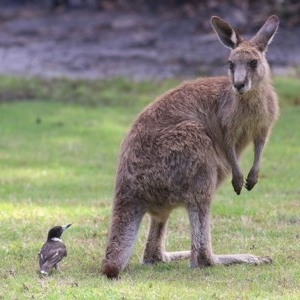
[[239, 87], [241, 80]]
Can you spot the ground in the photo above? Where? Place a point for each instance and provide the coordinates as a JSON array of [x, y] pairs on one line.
[[138, 45]]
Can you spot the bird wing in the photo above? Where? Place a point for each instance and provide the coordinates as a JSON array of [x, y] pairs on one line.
[[50, 256]]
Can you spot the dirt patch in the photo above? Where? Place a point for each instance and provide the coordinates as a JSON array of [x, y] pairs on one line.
[[93, 44]]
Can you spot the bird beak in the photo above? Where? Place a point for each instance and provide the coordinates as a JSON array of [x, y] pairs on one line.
[[66, 226]]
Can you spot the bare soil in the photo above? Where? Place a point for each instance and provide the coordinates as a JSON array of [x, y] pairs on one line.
[[140, 46]]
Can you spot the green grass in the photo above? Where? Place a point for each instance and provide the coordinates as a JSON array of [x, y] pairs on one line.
[[58, 150]]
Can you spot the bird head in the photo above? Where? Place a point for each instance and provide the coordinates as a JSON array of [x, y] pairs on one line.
[[56, 231]]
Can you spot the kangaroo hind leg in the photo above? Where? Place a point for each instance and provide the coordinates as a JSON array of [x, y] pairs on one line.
[[231, 259], [123, 231], [155, 246], [202, 254]]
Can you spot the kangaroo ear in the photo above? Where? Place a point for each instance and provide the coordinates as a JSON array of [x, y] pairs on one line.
[[265, 35], [226, 34]]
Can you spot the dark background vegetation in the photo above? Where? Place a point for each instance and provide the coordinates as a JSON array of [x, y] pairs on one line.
[[288, 10], [137, 39]]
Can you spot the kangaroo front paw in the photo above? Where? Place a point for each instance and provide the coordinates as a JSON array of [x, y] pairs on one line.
[[249, 185], [237, 183], [251, 180]]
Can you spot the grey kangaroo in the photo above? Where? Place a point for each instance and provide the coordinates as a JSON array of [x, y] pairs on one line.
[[182, 146]]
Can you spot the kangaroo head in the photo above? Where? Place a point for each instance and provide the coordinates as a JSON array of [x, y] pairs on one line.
[[247, 63]]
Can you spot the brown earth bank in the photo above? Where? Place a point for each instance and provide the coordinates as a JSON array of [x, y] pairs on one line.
[[139, 44]]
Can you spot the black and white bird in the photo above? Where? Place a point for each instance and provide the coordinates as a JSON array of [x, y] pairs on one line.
[[54, 250]]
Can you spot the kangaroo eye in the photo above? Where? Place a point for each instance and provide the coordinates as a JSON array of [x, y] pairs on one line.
[[253, 64], [231, 66]]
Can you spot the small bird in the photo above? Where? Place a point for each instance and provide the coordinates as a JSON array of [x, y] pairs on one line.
[[53, 251]]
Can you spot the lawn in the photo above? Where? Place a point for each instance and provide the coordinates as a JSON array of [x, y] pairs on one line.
[[58, 150]]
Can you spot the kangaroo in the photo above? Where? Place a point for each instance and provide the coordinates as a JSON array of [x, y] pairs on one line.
[[182, 146]]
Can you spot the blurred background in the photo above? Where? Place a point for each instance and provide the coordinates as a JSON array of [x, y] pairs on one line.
[[136, 39], [73, 76]]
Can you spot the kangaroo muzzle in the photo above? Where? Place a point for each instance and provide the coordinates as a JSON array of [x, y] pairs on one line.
[[241, 82]]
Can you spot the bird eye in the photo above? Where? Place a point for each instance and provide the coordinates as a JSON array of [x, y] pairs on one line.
[[231, 65], [253, 64]]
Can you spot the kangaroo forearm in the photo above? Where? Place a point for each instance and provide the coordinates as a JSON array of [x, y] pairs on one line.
[[252, 177], [237, 175]]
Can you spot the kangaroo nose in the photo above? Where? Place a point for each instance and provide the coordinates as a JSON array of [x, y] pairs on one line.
[[239, 86]]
